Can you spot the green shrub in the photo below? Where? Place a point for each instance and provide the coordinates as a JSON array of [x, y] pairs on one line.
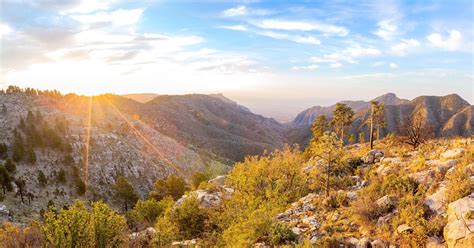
[[280, 233]]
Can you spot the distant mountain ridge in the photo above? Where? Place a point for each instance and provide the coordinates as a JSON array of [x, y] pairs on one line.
[[449, 115]]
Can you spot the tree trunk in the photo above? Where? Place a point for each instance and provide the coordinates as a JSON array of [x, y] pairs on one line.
[[372, 129], [342, 133], [327, 178], [378, 133]]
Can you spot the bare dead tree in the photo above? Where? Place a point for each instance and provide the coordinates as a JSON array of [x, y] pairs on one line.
[[413, 131]]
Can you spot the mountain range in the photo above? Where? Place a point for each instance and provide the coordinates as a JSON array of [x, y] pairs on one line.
[[178, 134]]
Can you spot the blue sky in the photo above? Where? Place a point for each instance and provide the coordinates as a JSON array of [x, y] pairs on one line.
[[277, 57]]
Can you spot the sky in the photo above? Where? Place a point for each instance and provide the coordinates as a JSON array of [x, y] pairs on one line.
[[276, 57]]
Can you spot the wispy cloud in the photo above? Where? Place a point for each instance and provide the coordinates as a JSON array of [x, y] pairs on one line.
[[235, 27], [404, 47], [120, 17], [295, 38], [286, 25], [243, 10], [349, 55], [308, 67]]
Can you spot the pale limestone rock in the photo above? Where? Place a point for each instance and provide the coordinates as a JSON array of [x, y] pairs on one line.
[[459, 231]]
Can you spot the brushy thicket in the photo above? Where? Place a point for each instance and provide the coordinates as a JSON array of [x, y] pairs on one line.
[[264, 186]]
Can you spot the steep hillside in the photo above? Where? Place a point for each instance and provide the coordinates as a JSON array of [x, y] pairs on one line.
[[119, 144], [449, 115]]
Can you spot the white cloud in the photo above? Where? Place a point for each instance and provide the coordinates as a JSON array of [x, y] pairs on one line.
[[236, 11], [118, 17], [452, 42], [404, 47], [300, 26], [235, 27], [244, 11], [349, 55], [307, 40], [4, 29], [309, 67], [89, 6], [335, 65], [387, 29], [393, 65], [295, 38]]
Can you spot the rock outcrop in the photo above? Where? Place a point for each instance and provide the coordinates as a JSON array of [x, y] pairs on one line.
[[459, 231]]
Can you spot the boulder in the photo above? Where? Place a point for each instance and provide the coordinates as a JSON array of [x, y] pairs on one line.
[[436, 201], [423, 177], [459, 231], [453, 153], [378, 244], [404, 228], [4, 210], [373, 156], [363, 243], [219, 180], [385, 202], [435, 242]]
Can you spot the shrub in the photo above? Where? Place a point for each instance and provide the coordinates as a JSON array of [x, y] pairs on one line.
[[280, 233], [107, 226], [146, 212], [198, 178], [173, 186], [459, 184], [165, 232], [190, 218], [43, 181]]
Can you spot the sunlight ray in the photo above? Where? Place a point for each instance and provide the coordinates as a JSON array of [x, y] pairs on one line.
[[146, 140]]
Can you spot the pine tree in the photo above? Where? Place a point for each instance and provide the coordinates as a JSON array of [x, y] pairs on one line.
[[31, 155], [10, 166], [5, 179], [18, 148], [320, 125], [3, 150], [343, 116], [21, 185], [125, 192], [43, 181], [330, 150], [4, 109]]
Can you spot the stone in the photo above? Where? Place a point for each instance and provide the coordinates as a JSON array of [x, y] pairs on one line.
[[313, 240], [459, 231], [423, 177], [372, 156], [453, 153], [383, 220], [363, 243], [296, 231], [4, 210], [352, 241], [404, 228], [385, 202], [435, 242], [352, 195], [219, 180], [436, 201], [378, 244]]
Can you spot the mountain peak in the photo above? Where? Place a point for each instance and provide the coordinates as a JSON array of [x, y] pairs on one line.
[[390, 99]]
